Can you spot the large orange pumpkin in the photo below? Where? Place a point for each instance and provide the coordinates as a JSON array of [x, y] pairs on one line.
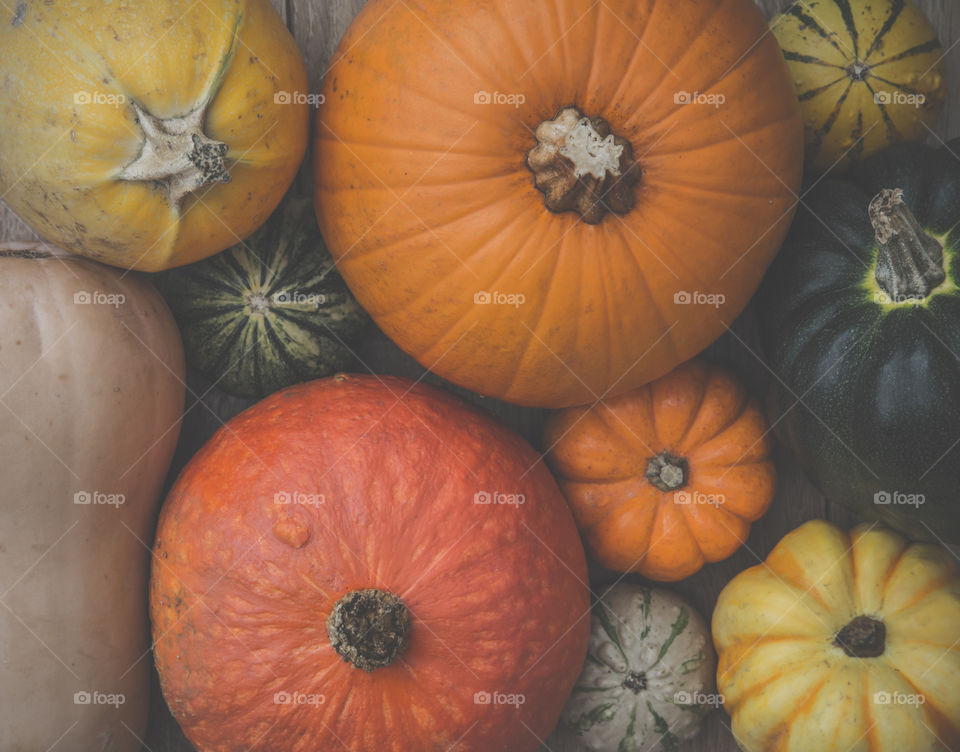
[[666, 477], [547, 200], [364, 564]]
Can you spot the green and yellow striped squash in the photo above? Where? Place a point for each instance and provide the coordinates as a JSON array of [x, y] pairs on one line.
[[868, 73], [648, 679], [268, 312]]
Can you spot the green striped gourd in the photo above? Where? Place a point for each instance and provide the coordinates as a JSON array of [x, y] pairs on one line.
[[868, 73], [268, 312], [648, 679]]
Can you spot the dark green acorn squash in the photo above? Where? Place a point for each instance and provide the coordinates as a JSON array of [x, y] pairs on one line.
[[268, 312], [860, 315]]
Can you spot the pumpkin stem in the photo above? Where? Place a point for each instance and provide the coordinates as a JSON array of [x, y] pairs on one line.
[[176, 155], [257, 302], [863, 637], [581, 166], [368, 628], [667, 471], [636, 682], [909, 261], [858, 71]]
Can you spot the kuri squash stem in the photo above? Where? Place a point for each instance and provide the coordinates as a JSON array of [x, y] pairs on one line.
[[910, 262], [368, 628], [581, 165]]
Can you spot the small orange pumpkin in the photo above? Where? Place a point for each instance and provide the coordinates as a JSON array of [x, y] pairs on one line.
[[666, 477]]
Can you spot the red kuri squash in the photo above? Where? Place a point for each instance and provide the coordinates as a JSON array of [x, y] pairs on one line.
[[549, 200], [363, 563]]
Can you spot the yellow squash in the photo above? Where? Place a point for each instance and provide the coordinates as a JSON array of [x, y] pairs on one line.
[[842, 643], [148, 133], [868, 73]]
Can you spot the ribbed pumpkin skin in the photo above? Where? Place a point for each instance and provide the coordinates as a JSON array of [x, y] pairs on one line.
[[425, 200], [698, 412], [497, 592], [867, 393], [60, 159], [268, 312], [856, 64], [786, 685]]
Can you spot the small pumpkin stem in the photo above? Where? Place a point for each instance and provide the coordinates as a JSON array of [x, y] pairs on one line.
[[256, 302], [636, 682], [581, 166], [858, 71], [177, 155], [667, 472], [863, 637], [909, 262], [368, 628]]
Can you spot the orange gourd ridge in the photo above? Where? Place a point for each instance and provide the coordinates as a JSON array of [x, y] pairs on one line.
[[367, 563], [666, 477], [561, 201]]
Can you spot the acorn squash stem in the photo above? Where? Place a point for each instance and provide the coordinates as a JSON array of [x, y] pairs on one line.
[[909, 261]]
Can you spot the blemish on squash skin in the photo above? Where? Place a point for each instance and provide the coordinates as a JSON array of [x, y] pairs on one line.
[[18, 14], [291, 532]]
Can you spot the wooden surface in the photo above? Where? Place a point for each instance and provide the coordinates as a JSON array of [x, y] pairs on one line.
[[317, 26]]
